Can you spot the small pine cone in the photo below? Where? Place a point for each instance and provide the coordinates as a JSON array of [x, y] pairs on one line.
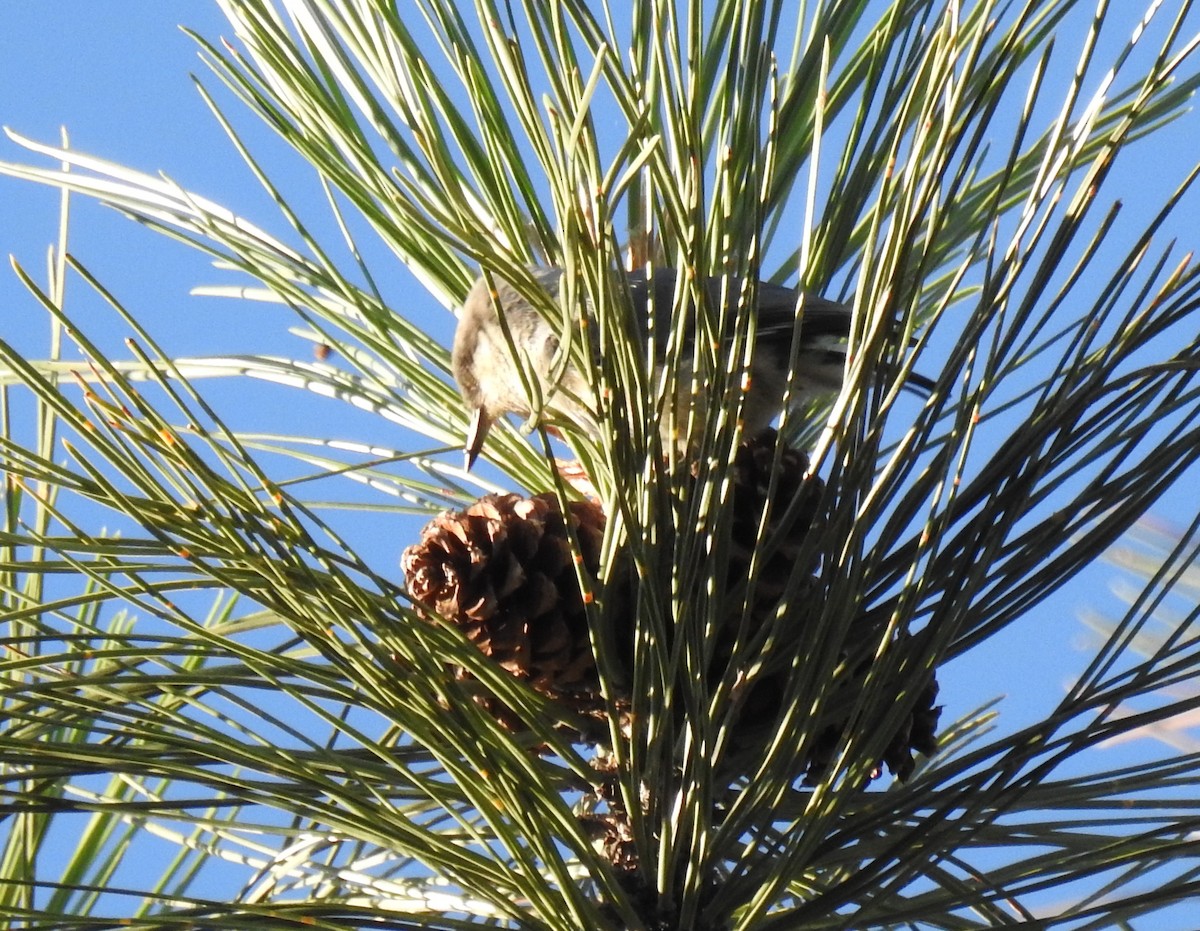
[[502, 572], [611, 837], [918, 733], [751, 485], [750, 494], [796, 498], [799, 498]]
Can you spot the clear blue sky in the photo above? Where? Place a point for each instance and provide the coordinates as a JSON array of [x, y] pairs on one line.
[[117, 75]]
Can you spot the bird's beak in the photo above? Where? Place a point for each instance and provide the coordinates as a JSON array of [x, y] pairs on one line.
[[481, 422]]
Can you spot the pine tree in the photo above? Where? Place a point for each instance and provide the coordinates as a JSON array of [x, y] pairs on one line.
[[704, 692]]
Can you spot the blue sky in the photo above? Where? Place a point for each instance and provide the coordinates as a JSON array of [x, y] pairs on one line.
[[118, 76]]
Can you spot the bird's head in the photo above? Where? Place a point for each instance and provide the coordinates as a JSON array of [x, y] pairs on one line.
[[474, 365]]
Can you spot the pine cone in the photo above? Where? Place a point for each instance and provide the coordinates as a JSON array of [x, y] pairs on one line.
[[918, 732], [794, 494], [750, 496], [612, 838], [795, 499], [502, 571], [920, 735]]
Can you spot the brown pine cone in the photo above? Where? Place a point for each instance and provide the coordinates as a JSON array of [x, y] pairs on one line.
[[920, 735], [760, 702], [917, 733], [751, 486], [502, 571]]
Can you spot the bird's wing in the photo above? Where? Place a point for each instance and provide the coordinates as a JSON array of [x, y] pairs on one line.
[[776, 305], [777, 308]]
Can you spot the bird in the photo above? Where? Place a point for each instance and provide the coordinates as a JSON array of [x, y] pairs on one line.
[[491, 384]]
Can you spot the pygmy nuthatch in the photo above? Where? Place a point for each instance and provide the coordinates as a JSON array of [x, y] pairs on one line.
[[492, 386]]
